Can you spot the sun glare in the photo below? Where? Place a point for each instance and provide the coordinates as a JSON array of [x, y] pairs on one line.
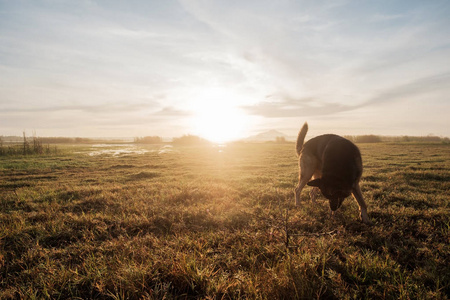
[[217, 117]]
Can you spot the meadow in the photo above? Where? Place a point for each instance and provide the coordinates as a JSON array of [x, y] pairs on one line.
[[219, 222]]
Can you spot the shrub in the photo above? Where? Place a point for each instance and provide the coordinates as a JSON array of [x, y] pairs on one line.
[[190, 140]]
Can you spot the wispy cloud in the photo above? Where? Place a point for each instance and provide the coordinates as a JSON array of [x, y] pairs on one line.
[[146, 62], [418, 88], [103, 108], [296, 108]]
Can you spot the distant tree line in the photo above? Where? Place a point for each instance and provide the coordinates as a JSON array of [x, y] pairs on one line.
[[65, 140], [425, 139], [364, 138], [189, 140], [183, 140], [396, 139]]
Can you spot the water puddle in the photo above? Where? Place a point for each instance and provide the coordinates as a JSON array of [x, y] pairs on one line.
[[166, 149]]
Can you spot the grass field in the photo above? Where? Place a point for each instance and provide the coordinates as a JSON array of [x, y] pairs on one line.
[[219, 223]]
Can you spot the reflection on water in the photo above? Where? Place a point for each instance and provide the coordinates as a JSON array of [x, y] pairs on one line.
[[127, 149]]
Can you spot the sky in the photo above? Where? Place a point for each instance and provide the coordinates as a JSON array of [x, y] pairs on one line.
[[224, 69]]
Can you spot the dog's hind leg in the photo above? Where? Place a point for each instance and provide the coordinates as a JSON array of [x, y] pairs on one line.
[[362, 205], [307, 167]]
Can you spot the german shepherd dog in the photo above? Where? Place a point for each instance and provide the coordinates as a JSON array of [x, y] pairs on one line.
[[335, 165]]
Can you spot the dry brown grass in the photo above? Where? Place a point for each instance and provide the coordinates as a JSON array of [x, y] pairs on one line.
[[207, 222]]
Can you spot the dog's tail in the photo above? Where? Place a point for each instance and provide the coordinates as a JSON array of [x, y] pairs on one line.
[[301, 138]]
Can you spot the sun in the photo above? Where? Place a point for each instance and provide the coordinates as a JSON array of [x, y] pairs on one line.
[[217, 116]]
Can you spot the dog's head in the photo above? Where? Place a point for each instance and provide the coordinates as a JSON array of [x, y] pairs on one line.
[[332, 189]]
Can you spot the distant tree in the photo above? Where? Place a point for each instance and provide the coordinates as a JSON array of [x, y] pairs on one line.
[[190, 140], [350, 138], [280, 140]]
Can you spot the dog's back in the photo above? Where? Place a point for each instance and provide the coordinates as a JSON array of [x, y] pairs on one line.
[[340, 158]]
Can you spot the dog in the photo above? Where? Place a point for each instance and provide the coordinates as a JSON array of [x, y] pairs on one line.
[[335, 165]]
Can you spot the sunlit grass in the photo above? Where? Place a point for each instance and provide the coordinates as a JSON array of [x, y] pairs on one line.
[[211, 222]]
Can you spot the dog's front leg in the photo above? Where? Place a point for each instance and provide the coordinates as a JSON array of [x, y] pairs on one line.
[[362, 205], [297, 192]]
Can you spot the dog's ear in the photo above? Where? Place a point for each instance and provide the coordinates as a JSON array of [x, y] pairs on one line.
[[316, 182]]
